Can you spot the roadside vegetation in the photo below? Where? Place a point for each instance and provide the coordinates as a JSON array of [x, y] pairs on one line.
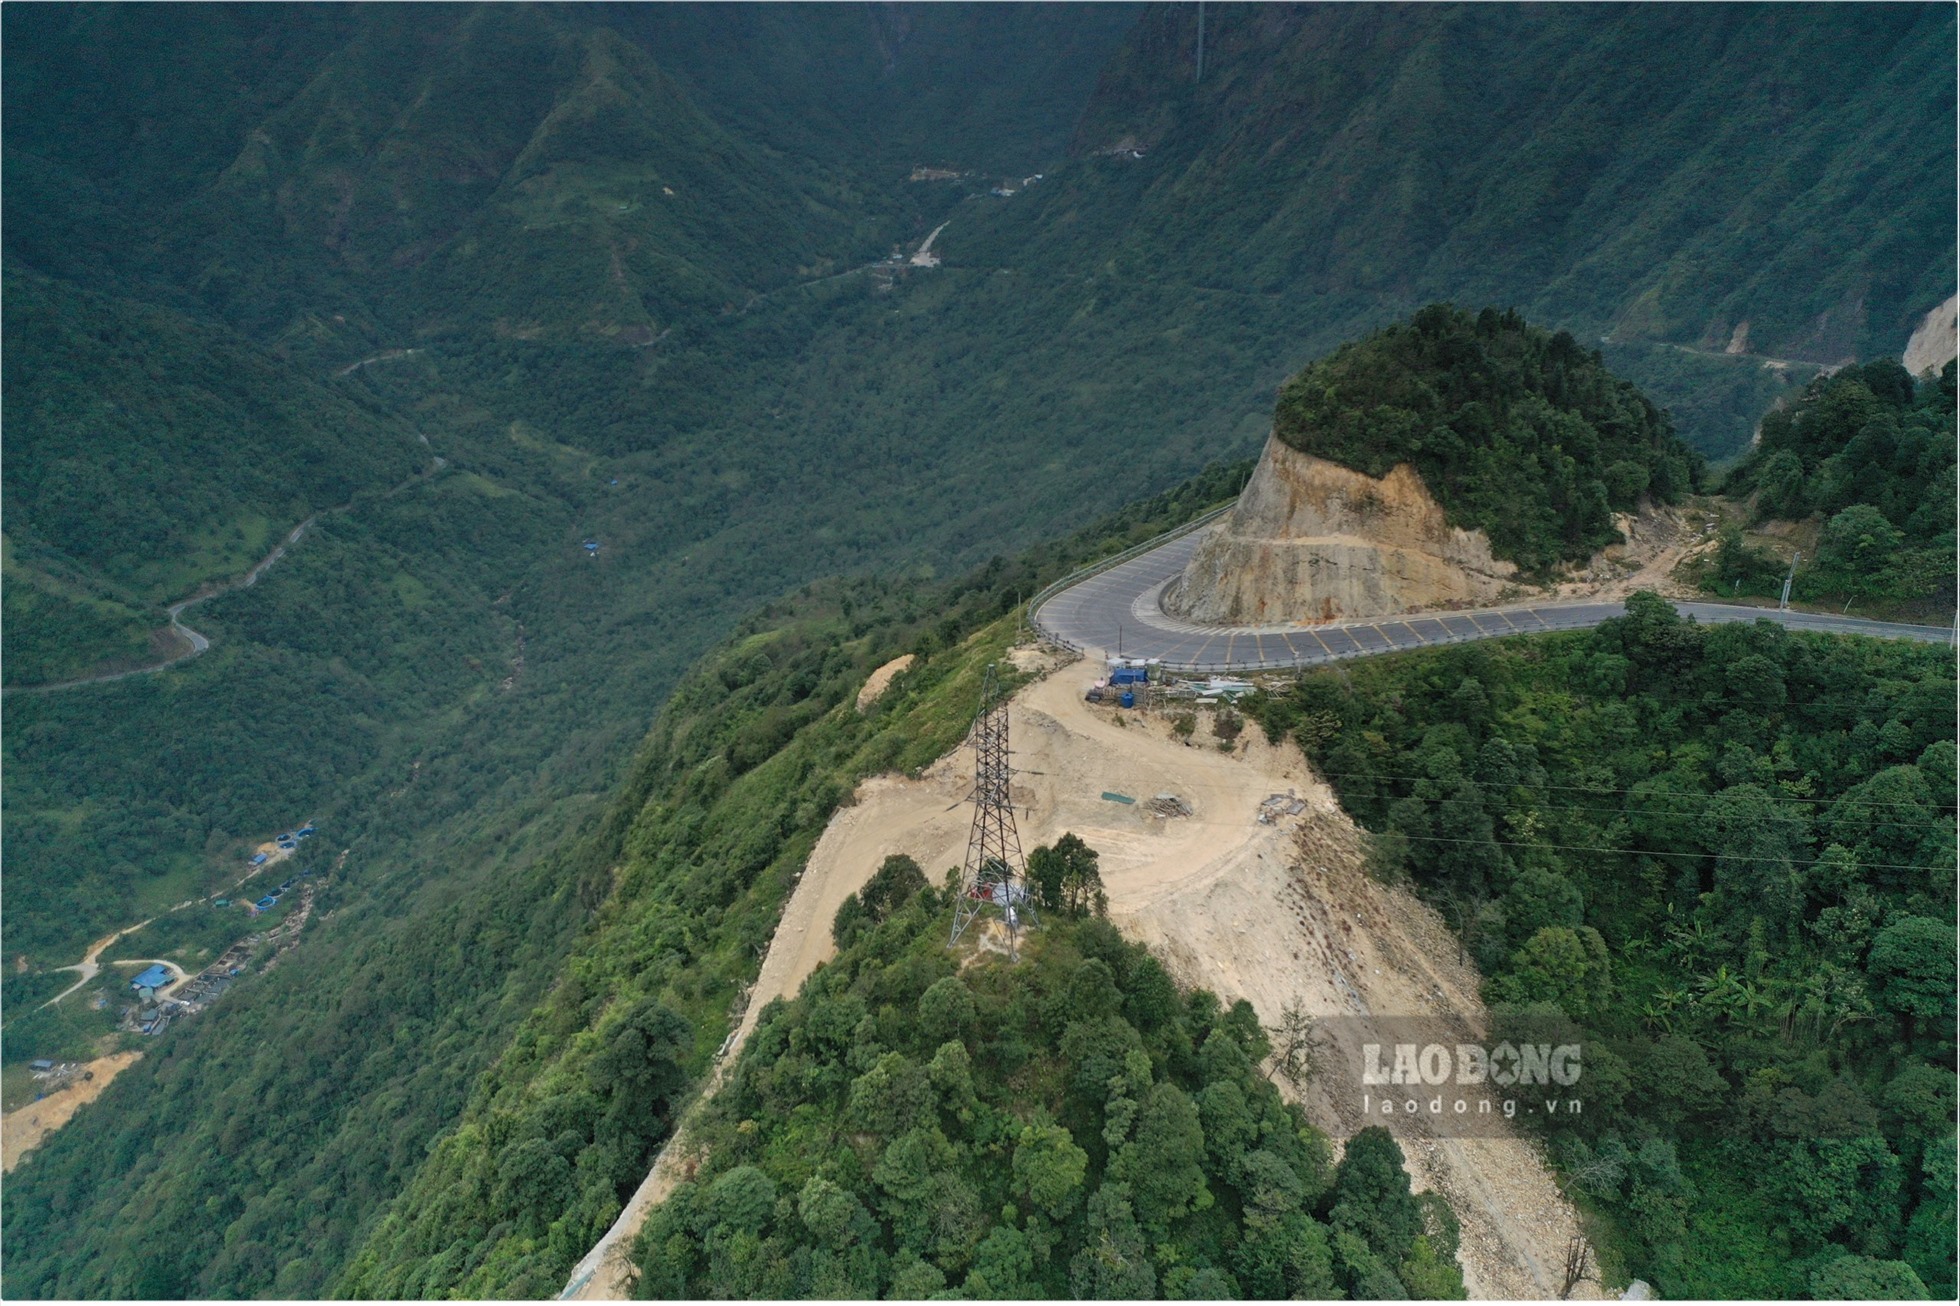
[[1867, 453], [1727, 855]]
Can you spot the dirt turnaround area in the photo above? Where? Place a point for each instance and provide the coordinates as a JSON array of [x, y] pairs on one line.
[[1276, 913]]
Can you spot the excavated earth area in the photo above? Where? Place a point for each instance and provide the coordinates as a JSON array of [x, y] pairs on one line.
[[1310, 541], [1276, 913]]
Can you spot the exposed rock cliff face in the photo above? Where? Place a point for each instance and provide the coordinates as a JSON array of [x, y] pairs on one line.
[[1310, 540], [1933, 342]]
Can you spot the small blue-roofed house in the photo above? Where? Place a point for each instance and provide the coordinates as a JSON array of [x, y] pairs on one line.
[[259, 860], [154, 977]]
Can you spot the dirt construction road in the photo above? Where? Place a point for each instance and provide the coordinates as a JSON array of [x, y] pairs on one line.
[[1273, 913]]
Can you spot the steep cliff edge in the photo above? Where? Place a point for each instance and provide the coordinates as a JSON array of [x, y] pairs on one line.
[[1310, 540]]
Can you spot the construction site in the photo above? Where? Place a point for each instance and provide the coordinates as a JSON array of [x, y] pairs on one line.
[[1224, 854]]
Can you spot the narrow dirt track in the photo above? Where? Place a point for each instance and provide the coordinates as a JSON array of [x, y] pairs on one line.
[[88, 966], [196, 643]]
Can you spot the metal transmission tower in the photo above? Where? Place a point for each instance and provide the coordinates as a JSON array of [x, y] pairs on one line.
[[993, 876]]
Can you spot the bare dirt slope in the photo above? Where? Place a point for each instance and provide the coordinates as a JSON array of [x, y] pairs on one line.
[[1932, 342], [1310, 540], [881, 679], [1273, 913], [1658, 541], [21, 1131]]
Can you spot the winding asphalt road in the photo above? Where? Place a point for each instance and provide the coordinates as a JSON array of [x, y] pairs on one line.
[[1120, 612]]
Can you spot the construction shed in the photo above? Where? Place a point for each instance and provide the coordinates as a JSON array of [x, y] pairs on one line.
[[153, 977]]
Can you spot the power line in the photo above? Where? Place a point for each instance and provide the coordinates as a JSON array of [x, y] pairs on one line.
[[1602, 789], [1648, 852], [1633, 811]]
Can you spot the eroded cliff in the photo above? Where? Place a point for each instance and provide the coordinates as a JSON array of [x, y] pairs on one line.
[[1310, 540]]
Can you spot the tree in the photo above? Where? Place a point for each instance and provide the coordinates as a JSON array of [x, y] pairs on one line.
[[1929, 1245], [1046, 870], [890, 887], [1862, 1278], [892, 1097], [1003, 1265], [742, 1199], [1912, 961], [893, 885], [915, 1279], [1066, 878], [1565, 967], [1372, 1197], [639, 1070], [1361, 1267], [1286, 1257], [1860, 542], [1114, 1265], [1537, 898], [1163, 1164], [1781, 487], [827, 1211], [1295, 1043], [1430, 1274], [1756, 842], [1626, 481], [1049, 1169], [946, 1010]]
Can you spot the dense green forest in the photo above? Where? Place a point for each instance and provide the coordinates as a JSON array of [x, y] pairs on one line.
[[149, 454], [474, 964], [1727, 853], [1871, 452], [922, 1119], [1518, 432]]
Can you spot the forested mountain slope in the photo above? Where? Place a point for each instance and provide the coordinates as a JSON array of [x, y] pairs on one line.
[[518, 171], [1519, 433], [149, 454], [1674, 180], [1657, 173], [1872, 451], [1069, 1125], [1726, 855], [468, 207], [303, 1107]]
